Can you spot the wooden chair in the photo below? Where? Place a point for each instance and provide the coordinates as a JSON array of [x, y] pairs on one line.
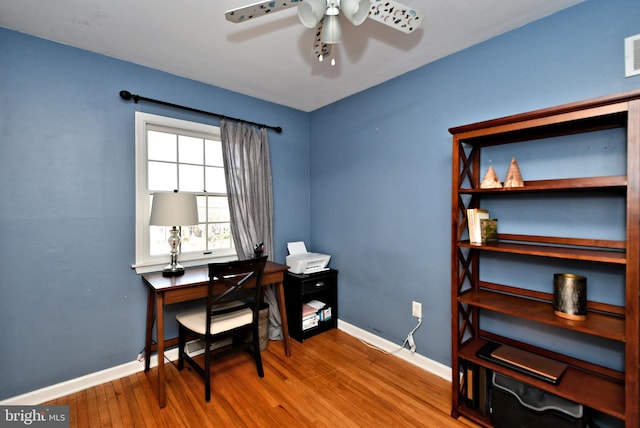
[[231, 311]]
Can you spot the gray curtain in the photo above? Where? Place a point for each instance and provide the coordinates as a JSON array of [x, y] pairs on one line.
[[248, 173]]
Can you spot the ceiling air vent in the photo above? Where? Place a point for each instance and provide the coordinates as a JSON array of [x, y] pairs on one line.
[[632, 55]]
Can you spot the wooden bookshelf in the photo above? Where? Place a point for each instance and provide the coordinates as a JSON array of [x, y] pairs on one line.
[[611, 392]]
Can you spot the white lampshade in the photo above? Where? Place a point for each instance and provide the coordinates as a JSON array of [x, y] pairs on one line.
[[311, 12], [174, 209], [331, 30], [356, 11]]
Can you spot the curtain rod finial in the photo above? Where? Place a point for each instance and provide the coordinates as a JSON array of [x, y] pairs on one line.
[[125, 95]]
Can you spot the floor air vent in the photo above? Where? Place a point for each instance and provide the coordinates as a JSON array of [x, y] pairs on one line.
[[632, 55]]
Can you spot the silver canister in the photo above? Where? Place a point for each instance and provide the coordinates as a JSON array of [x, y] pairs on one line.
[[570, 296]]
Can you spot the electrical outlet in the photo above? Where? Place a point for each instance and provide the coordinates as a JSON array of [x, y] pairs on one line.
[[416, 309]]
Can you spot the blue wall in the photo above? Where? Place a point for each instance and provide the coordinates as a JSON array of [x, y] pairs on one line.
[[69, 302], [372, 188], [384, 164]]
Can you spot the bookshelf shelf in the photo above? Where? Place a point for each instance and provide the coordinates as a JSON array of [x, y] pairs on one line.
[[567, 184], [578, 384], [573, 253], [607, 325]]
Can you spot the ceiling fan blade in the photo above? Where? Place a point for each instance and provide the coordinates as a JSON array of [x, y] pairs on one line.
[[395, 15], [259, 9], [320, 49]]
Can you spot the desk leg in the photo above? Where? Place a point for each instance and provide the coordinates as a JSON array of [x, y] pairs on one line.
[[149, 329], [162, 397], [283, 317]]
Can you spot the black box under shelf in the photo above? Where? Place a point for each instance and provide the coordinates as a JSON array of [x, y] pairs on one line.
[[518, 405]]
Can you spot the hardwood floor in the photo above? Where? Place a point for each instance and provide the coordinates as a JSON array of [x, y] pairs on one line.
[[330, 380]]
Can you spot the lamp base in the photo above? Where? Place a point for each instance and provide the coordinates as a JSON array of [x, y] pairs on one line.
[[173, 270], [167, 273]]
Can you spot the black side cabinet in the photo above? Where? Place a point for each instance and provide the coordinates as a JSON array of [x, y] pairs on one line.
[[300, 289]]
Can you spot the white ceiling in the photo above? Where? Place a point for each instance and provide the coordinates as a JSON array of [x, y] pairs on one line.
[[269, 57]]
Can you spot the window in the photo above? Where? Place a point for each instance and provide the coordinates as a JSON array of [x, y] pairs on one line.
[[176, 154]]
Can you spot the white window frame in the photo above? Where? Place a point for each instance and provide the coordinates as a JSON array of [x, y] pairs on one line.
[[145, 262]]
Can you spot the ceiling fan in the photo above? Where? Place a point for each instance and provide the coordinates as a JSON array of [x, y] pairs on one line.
[[323, 15]]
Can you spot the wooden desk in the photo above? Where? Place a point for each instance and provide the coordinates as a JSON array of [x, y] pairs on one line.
[[191, 286]]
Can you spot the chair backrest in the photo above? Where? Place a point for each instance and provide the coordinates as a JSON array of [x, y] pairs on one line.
[[234, 285]]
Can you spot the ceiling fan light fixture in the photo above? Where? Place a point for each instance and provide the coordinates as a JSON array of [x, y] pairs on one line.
[[333, 7], [323, 16], [356, 11], [311, 12], [331, 30]]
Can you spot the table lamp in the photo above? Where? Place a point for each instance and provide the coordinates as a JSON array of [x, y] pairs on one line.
[[174, 209]]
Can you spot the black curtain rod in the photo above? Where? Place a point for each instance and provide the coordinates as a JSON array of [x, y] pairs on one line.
[[126, 95]]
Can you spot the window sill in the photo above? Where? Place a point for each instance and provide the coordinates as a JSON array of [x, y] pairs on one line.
[[142, 268]]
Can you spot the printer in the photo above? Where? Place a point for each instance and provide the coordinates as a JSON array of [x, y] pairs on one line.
[[300, 260]]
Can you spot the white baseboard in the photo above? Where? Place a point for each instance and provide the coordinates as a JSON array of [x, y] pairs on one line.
[[416, 359], [71, 386]]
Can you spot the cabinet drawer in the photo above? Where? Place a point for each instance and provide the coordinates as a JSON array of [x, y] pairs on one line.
[[319, 283]]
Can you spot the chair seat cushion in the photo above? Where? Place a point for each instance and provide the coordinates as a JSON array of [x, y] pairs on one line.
[[196, 319]]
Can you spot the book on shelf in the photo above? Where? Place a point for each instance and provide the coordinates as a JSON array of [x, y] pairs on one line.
[[310, 321], [489, 230], [317, 309], [471, 385], [538, 366], [549, 369], [308, 310], [474, 215], [484, 391], [317, 304], [310, 316], [325, 314]]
